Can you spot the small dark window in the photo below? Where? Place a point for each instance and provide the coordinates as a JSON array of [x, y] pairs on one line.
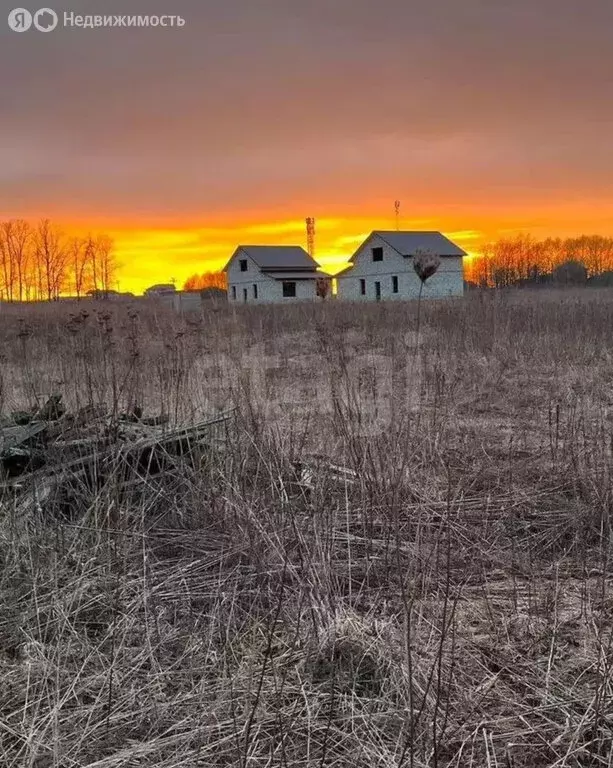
[[378, 291], [377, 254], [244, 294], [363, 287], [234, 292], [394, 284], [289, 290], [243, 263], [255, 291]]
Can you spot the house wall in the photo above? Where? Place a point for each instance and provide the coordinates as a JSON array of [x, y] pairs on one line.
[[269, 290], [305, 291], [448, 280]]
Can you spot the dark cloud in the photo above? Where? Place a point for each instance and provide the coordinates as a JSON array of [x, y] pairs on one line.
[[264, 100]]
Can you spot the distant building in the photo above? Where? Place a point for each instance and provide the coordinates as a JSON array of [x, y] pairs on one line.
[[271, 273], [382, 268], [100, 294], [570, 272], [161, 289]]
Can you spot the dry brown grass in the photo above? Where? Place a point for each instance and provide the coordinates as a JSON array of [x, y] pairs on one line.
[[447, 603]]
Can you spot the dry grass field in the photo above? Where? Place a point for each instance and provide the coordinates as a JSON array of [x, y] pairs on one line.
[[398, 557]]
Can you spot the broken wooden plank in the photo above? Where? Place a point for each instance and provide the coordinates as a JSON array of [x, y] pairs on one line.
[[129, 457], [11, 437], [195, 431]]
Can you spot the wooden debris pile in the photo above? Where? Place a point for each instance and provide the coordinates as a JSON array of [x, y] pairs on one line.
[[47, 450]]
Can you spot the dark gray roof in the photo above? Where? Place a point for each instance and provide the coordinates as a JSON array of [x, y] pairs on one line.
[[284, 257], [297, 275], [162, 287], [407, 243]]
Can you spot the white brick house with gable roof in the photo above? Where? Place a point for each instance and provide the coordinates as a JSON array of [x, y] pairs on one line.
[[382, 268], [271, 273]]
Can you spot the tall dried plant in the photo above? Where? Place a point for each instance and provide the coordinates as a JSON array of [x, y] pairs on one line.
[[322, 287], [425, 264]]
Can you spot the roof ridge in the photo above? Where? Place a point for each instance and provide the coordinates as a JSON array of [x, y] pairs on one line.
[[301, 247]]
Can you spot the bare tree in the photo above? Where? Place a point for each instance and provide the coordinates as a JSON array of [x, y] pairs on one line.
[[15, 257], [51, 260], [77, 257], [21, 245], [206, 280], [39, 263], [6, 277], [523, 260], [107, 265], [91, 263]]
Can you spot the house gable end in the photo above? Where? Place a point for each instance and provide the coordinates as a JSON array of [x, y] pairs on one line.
[[373, 240], [363, 264], [234, 273], [232, 258]]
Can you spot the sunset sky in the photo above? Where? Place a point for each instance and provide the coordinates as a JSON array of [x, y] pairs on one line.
[[483, 117]]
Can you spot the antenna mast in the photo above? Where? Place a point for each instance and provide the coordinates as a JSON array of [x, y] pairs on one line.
[[397, 210], [310, 229]]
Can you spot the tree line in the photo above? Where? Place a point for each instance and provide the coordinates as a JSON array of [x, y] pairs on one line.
[[206, 280], [39, 262], [524, 260]]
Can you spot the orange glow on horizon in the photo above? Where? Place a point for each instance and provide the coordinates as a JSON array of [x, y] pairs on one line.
[[149, 254]]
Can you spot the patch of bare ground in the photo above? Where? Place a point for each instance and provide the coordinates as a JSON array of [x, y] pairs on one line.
[[399, 557]]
